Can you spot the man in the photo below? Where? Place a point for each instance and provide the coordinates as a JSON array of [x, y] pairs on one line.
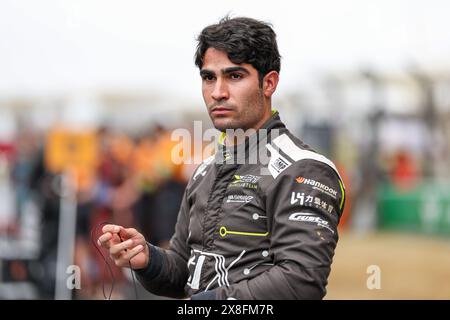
[[261, 230]]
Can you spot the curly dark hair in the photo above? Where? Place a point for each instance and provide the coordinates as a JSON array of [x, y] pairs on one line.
[[245, 40]]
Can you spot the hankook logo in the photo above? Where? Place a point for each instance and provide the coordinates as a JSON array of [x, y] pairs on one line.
[[318, 186]]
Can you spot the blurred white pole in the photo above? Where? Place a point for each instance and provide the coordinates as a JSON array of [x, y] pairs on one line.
[[66, 236]]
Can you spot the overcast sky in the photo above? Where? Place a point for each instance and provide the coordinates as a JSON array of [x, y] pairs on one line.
[[59, 46]]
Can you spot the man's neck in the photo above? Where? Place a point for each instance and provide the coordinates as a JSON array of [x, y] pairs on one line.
[[235, 137]]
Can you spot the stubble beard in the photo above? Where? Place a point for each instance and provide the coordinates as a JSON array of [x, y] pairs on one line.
[[251, 114]]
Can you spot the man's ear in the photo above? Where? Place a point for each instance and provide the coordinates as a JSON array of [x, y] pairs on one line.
[[270, 83]]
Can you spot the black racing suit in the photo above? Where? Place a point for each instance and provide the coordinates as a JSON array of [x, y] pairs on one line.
[[259, 230]]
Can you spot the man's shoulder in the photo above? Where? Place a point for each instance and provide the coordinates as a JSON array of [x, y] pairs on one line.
[[297, 170], [288, 153]]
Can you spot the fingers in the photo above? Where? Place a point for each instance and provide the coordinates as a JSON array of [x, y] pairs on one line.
[[108, 239], [125, 258], [111, 228], [128, 233], [131, 253], [125, 233], [116, 249], [121, 252], [108, 231], [103, 239]]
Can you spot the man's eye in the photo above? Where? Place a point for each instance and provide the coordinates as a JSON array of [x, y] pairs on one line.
[[208, 77], [235, 76]]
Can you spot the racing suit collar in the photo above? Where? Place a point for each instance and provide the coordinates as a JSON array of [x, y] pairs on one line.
[[240, 153]]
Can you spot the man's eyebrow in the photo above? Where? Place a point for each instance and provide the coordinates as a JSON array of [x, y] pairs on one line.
[[206, 72], [235, 69]]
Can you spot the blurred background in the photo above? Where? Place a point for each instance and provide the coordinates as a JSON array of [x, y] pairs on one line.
[[90, 92]]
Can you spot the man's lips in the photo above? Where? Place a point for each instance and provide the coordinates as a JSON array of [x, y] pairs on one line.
[[220, 110]]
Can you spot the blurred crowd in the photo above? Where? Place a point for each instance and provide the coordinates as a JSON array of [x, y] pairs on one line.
[[115, 178]]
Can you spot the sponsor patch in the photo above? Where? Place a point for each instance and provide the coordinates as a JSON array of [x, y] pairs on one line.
[[317, 186], [310, 218], [277, 162], [239, 198], [302, 199], [247, 181]]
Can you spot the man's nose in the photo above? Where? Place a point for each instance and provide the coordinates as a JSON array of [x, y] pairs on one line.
[[220, 91]]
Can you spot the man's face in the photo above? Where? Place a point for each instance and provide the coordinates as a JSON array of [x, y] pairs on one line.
[[232, 93]]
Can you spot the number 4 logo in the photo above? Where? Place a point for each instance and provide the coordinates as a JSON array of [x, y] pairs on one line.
[[296, 197]]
